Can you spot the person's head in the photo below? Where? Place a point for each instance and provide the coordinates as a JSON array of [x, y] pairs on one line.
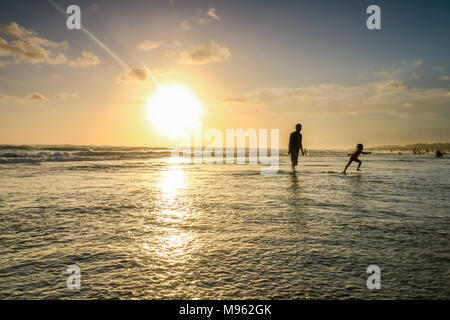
[[298, 127], [360, 146]]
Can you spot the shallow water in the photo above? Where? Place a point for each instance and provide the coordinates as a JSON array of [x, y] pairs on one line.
[[141, 225]]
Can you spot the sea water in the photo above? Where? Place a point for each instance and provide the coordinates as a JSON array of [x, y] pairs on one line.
[[141, 224]]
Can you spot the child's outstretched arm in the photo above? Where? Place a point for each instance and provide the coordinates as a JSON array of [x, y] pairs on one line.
[[367, 152]]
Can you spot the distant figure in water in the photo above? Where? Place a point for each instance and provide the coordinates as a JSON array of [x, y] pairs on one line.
[[295, 144], [306, 153], [438, 154], [354, 157]]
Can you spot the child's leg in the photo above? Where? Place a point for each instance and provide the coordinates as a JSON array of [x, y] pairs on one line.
[[348, 164], [359, 164]]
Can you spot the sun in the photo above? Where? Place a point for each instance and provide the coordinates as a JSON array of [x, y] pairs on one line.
[[174, 111]]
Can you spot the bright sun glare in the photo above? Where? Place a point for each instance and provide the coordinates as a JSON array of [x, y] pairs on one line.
[[174, 111]]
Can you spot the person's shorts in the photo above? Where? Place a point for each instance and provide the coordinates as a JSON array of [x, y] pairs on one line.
[[294, 158]]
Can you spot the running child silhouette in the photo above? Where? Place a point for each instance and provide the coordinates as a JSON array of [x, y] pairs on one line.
[[354, 157]]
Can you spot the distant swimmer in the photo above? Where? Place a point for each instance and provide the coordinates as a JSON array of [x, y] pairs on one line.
[[439, 154], [295, 145], [354, 157]]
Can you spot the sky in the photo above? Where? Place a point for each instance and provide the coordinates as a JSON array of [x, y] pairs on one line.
[[250, 63]]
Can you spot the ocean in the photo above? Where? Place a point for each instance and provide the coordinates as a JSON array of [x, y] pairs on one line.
[[141, 224]]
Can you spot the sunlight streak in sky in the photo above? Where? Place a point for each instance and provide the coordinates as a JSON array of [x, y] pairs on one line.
[[104, 47]]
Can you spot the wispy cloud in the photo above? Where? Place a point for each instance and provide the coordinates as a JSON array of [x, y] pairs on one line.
[[213, 14], [132, 76], [209, 52], [63, 96], [334, 100], [438, 68], [86, 59], [401, 68], [202, 18], [8, 98], [38, 97], [239, 100], [185, 26], [445, 78], [390, 85], [148, 45]]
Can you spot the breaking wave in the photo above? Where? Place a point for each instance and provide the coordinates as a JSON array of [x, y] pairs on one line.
[[36, 154]]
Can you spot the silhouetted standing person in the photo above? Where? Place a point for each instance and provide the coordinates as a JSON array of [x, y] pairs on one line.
[[295, 145]]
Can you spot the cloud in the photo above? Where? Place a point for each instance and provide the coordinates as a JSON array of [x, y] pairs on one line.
[[212, 13], [16, 32], [26, 46], [7, 98], [36, 96], [86, 59], [438, 68], [334, 100], [201, 18], [390, 85], [27, 52], [204, 54], [185, 26], [446, 78], [63, 96], [147, 45], [239, 100], [401, 68], [132, 76]]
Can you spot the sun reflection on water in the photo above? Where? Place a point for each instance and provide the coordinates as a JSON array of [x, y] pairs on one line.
[[170, 242], [171, 181]]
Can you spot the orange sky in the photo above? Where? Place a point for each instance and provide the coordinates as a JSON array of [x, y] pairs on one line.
[[58, 86]]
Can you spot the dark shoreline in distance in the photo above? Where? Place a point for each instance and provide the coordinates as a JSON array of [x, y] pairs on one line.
[[422, 146]]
